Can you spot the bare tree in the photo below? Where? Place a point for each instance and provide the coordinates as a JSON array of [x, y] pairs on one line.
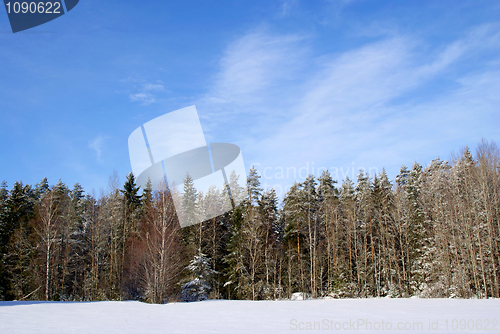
[[47, 228], [161, 233]]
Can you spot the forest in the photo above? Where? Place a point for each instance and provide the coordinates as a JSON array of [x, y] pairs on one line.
[[433, 232]]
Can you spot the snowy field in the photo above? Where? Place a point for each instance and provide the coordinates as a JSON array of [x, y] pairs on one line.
[[219, 316]]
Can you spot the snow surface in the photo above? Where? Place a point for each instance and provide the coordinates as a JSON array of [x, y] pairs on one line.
[[220, 316]]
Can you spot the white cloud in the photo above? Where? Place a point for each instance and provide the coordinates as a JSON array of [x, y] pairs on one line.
[[256, 79], [253, 64], [144, 98], [97, 145], [375, 105], [146, 93], [158, 87], [287, 6]]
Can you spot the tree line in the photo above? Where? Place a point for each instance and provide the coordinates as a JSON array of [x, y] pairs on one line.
[[433, 232]]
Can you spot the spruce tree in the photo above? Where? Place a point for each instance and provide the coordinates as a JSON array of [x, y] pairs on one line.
[[131, 193], [147, 194], [365, 224], [235, 270], [18, 210], [4, 237], [253, 186], [294, 237], [41, 188], [190, 213], [348, 210], [189, 201], [328, 211], [383, 210], [201, 279], [268, 208]]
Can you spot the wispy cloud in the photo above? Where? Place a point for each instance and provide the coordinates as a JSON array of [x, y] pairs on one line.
[[253, 64], [143, 98], [287, 6], [356, 106], [97, 144], [257, 76], [146, 93]]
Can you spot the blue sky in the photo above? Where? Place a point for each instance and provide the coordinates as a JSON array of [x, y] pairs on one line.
[[298, 85]]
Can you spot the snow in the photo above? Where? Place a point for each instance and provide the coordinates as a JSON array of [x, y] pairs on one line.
[[299, 296], [220, 316]]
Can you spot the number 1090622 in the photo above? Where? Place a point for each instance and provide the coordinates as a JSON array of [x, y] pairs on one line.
[[33, 7]]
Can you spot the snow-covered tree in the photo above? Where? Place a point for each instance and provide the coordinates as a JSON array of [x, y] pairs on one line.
[[201, 279]]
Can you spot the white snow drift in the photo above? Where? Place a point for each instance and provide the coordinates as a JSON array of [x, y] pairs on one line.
[[219, 316]]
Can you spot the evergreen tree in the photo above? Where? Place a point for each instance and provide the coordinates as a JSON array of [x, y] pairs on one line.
[[235, 269], [253, 186], [18, 209], [383, 205], [348, 211], [131, 193], [189, 201], [147, 194], [330, 231], [294, 238], [76, 251], [201, 275], [4, 216], [190, 212], [268, 208], [238, 192], [4, 238], [326, 187], [367, 235], [41, 188]]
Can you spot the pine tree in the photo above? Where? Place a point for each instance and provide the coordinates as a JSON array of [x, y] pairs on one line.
[[364, 222], [268, 208], [416, 229], [238, 193], [251, 241], [147, 194], [41, 188], [131, 193], [214, 232], [201, 275], [488, 205], [348, 209], [433, 200], [294, 237], [310, 206], [328, 197], [235, 269], [383, 205], [4, 217], [253, 186], [76, 251], [18, 209], [189, 201], [190, 213], [113, 217], [96, 243], [4, 238]]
